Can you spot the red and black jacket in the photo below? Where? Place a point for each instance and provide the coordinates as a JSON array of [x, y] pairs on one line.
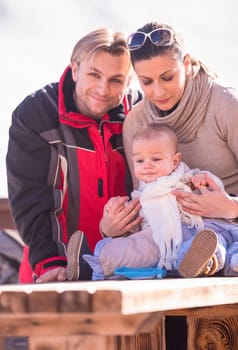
[[62, 168]]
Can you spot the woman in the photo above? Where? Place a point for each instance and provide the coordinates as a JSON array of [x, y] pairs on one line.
[[181, 92]]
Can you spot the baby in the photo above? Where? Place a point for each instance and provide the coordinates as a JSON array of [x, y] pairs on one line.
[[171, 238]]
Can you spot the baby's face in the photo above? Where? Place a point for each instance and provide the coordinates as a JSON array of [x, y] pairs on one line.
[[152, 159]]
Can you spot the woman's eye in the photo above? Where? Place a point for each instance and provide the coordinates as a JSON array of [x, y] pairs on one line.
[[146, 82], [168, 78]]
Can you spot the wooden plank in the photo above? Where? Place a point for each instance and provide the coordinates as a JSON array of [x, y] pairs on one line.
[[6, 221], [41, 301], [213, 333], [13, 302], [153, 340], [107, 302], [80, 342], [131, 297], [210, 311], [64, 324], [75, 301]]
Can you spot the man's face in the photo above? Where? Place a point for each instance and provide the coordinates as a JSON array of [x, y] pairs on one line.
[[100, 83]]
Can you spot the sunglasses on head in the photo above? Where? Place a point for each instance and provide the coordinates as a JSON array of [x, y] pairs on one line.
[[158, 37]]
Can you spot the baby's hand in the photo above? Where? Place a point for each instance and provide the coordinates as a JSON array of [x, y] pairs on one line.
[[116, 204], [199, 180]]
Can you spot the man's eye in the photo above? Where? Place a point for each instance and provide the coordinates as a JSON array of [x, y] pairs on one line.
[[117, 81], [95, 75]]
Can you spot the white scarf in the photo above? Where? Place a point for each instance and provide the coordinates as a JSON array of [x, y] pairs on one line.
[[164, 214]]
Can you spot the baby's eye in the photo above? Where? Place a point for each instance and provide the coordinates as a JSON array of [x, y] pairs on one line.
[[140, 161]]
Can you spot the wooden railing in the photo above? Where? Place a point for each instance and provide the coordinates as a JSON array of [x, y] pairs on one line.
[[120, 315], [6, 221]]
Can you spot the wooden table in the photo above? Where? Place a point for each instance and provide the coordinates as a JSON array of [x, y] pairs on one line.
[[119, 315]]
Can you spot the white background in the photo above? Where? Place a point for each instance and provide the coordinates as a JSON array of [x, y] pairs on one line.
[[37, 37]]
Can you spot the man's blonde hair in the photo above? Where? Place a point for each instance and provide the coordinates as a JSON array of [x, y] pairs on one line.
[[102, 39]]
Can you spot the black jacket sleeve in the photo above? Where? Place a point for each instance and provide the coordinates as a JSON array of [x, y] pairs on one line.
[[31, 199]]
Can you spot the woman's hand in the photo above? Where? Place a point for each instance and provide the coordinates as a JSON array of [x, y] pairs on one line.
[[212, 203], [120, 216]]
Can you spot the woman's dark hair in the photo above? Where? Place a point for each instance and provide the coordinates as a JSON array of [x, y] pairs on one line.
[[176, 49], [149, 50]]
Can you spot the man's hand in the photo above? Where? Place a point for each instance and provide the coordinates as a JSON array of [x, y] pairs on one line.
[[120, 216], [54, 275]]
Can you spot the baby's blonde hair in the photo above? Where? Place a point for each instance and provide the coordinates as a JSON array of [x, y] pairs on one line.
[[154, 130]]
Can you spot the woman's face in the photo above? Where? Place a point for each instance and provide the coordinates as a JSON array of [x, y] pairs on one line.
[[163, 79]]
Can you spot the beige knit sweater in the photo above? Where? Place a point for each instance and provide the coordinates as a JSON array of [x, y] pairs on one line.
[[212, 143]]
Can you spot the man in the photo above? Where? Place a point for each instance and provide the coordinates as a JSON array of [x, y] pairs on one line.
[[65, 157]]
